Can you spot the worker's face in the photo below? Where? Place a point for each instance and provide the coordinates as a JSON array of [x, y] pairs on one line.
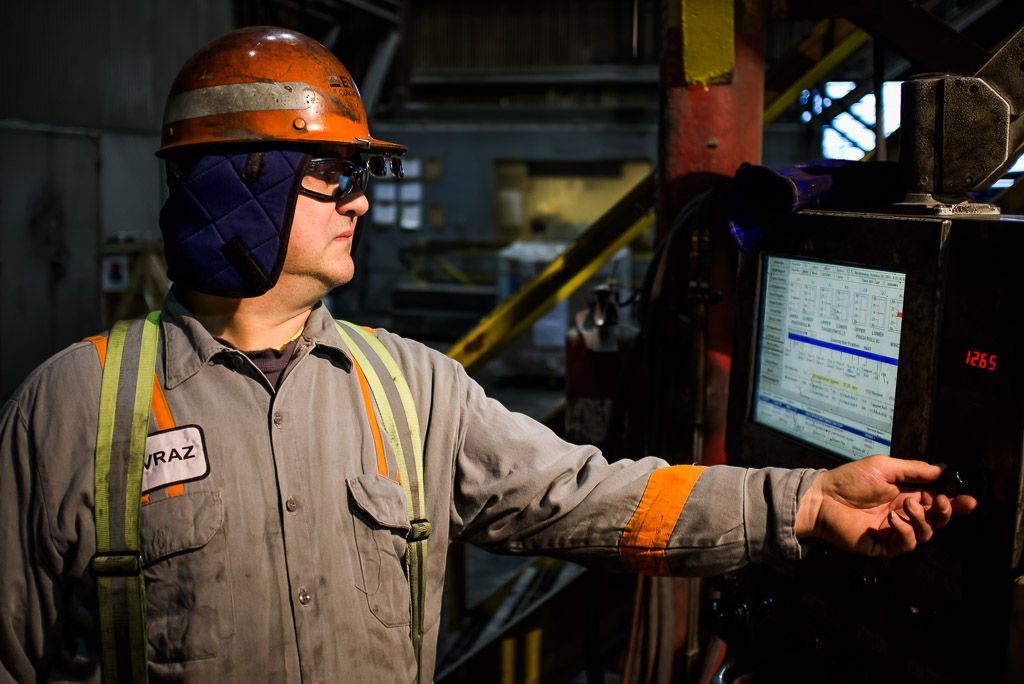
[[320, 245]]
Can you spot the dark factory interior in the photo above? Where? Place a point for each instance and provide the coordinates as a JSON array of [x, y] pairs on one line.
[[759, 234]]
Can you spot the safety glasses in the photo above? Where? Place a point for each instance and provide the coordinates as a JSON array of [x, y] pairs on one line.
[[379, 166], [331, 179]]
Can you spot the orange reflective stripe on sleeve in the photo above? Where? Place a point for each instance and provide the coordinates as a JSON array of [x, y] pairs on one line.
[[378, 443], [643, 542]]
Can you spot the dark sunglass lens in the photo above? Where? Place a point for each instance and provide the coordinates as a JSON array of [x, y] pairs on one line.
[[334, 179], [377, 166], [396, 168]]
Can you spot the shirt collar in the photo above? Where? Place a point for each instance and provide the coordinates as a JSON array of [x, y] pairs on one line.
[[188, 346]]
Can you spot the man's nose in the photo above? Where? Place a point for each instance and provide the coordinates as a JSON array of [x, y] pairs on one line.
[[356, 203]]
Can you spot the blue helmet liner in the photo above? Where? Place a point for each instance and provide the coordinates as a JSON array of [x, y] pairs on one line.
[[227, 219]]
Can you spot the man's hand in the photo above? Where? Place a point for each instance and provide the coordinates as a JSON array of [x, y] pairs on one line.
[[877, 506]]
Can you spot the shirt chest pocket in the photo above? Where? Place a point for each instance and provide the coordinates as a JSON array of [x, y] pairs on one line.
[[381, 525], [189, 604]]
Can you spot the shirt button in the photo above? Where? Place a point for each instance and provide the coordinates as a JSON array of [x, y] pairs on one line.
[[304, 596], [278, 418], [236, 361], [291, 504]]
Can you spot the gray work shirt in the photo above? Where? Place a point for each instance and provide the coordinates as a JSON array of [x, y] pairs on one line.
[[285, 562]]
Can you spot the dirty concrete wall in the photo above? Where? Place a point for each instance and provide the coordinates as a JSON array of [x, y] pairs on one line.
[[83, 87]]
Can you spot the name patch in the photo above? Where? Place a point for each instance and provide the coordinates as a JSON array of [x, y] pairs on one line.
[[174, 456]]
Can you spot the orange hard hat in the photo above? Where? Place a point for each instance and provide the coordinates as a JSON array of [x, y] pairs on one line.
[[266, 84]]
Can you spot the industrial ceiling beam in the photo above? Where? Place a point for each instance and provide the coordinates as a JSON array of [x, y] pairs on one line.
[[829, 44], [906, 28], [922, 38]]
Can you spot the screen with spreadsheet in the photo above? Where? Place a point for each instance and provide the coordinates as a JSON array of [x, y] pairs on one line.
[[828, 354]]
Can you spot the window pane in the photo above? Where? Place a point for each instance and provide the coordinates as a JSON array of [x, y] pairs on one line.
[[410, 192], [412, 216], [383, 192], [385, 213]]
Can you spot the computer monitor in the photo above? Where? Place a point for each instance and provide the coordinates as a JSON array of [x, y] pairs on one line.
[[828, 353], [836, 342]]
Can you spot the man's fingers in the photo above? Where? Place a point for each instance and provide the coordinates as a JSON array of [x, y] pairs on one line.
[[964, 504], [940, 512], [901, 471], [919, 520], [902, 539]]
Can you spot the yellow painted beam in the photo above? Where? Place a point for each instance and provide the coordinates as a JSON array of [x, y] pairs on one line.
[[508, 661], [708, 41], [452, 272], [531, 668], [849, 39], [620, 225]]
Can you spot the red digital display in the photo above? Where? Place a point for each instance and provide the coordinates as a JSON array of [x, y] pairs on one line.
[[980, 359], [982, 366]]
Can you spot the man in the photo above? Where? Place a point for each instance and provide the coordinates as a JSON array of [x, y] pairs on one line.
[[272, 547]]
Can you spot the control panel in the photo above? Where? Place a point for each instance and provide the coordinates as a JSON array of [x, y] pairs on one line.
[[946, 304]]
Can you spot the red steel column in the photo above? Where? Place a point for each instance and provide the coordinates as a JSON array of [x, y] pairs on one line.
[[708, 129], [706, 132]]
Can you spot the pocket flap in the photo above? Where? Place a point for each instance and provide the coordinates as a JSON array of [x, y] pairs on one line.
[[382, 499], [180, 523]]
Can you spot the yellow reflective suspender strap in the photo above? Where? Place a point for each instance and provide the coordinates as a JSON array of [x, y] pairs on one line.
[[384, 406], [125, 395], [410, 408], [410, 465]]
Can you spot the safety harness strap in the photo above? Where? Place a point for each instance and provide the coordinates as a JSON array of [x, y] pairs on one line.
[[125, 395], [403, 430]]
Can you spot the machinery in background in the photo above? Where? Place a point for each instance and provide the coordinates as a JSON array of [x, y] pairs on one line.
[[596, 348], [893, 330]]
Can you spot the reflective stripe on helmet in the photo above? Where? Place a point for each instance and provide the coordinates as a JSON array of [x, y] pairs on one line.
[[239, 97], [265, 84]]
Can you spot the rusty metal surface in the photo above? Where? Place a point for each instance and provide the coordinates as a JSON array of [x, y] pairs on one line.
[[708, 131]]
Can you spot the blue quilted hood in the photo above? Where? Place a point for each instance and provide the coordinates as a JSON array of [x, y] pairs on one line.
[[226, 221]]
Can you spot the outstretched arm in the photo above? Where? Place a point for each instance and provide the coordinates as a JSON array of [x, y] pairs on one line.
[[877, 506]]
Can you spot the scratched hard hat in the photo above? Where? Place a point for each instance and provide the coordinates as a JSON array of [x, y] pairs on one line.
[[266, 84]]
